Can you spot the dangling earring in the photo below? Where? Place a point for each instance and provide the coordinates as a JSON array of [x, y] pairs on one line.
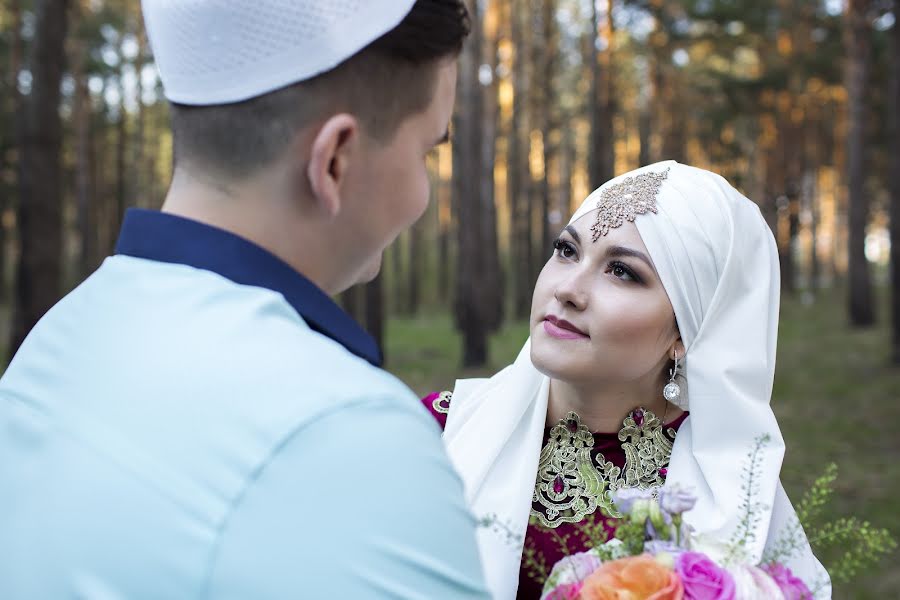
[[672, 390]]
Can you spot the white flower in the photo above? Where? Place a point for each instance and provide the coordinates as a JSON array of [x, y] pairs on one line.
[[752, 583], [675, 499]]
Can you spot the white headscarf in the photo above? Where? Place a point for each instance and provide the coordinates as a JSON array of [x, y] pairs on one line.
[[718, 263]]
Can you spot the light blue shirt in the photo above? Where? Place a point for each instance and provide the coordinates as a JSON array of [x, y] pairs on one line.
[[197, 420]]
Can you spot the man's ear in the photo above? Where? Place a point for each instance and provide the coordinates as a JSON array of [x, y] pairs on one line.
[[333, 150]]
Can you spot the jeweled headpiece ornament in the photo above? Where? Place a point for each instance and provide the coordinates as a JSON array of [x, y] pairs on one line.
[[623, 201]]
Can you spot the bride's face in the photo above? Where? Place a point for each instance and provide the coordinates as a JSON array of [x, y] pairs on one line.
[[600, 313]]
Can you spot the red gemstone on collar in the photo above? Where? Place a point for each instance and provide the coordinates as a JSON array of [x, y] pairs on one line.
[[558, 485], [638, 416]]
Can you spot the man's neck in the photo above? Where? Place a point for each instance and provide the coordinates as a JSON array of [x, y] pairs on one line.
[[254, 210]]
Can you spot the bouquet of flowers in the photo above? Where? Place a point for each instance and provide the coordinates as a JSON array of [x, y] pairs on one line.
[[656, 555]]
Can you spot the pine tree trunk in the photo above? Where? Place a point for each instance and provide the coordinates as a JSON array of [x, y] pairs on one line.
[[861, 304], [602, 157], [492, 273], [894, 179], [375, 312], [83, 154], [469, 306], [812, 198], [548, 101], [517, 178], [40, 208], [609, 96], [352, 300], [793, 146], [396, 282], [645, 121], [121, 160], [415, 248], [532, 227], [139, 185], [16, 108], [445, 256]]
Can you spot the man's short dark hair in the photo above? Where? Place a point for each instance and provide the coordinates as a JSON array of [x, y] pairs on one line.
[[383, 84]]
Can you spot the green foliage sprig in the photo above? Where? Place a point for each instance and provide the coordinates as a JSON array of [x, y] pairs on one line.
[[864, 545], [745, 534]]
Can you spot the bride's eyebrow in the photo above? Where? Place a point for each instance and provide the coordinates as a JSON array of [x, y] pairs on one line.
[[573, 233], [623, 251]]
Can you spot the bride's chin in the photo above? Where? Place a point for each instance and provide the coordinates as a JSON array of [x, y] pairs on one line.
[[552, 364]]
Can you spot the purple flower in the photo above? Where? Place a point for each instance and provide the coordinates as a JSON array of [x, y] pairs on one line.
[[791, 586], [625, 498], [569, 571], [655, 547], [582, 564], [703, 579], [675, 499]]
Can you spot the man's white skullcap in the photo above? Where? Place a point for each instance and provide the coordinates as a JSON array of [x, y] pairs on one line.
[[222, 51]]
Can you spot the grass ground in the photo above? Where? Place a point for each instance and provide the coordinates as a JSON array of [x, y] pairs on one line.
[[836, 398]]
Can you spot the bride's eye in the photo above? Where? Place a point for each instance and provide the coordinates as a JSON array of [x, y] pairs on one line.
[[564, 249], [623, 272]]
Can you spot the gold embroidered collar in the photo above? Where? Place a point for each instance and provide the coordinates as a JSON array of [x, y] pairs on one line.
[[571, 484]]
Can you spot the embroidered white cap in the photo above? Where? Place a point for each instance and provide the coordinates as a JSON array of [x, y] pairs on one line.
[[223, 51]]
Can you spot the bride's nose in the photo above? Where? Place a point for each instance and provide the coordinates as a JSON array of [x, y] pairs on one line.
[[571, 293]]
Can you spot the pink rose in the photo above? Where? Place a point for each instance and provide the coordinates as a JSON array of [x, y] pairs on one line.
[[791, 586], [703, 579], [566, 591]]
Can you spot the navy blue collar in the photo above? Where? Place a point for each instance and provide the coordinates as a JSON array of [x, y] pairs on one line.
[[168, 238]]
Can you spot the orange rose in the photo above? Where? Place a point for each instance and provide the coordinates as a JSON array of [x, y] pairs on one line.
[[633, 578]]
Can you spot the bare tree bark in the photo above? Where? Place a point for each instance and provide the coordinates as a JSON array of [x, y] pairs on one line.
[[518, 173], [601, 158], [122, 200], [444, 233], [415, 249], [83, 166], [548, 100], [351, 301], [16, 108], [397, 281], [645, 121], [792, 150], [40, 210], [858, 35], [492, 275], [141, 191], [534, 186], [894, 179], [375, 312], [668, 123], [469, 302]]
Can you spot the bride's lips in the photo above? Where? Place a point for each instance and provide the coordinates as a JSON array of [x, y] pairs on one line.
[[562, 329]]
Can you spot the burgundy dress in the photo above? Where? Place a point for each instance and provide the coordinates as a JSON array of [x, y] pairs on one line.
[[546, 543]]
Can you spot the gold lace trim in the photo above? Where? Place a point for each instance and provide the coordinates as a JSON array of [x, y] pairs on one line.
[[441, 404], [570, 485]]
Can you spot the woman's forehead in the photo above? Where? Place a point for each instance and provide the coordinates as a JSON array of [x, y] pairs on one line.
[[626, 234]]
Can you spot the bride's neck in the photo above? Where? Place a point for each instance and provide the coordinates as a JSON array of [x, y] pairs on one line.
[[603, 410]]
